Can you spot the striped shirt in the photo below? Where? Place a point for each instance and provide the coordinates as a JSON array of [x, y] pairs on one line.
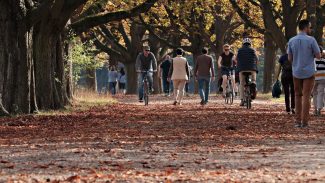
[[320, 67]]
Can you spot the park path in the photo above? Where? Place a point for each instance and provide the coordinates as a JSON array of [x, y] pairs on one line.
[[127, 142]]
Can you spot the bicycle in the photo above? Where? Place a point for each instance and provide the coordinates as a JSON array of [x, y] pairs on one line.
[[229, 98], [247, 90], [146, 88]]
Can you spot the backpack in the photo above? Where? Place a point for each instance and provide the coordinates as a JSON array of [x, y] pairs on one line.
[[276, 90]]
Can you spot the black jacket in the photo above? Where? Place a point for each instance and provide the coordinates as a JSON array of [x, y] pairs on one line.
[[247, 59]]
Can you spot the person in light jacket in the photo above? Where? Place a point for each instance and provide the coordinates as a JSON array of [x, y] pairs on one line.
[[179, 73]]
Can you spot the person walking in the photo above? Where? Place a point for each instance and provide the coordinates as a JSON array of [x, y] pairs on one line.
[[204, 73], [163, 74], [122, 81], [146, 64], [112, 80], [179, 73], [247, 61], [302, 49], [287, 83], [319, 89]]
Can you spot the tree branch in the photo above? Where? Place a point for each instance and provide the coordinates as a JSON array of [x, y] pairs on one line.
[[109, 35], [99, 19], [245, 18], [99, 45], [124, 35]]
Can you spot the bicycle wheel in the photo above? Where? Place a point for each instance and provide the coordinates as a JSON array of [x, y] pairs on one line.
[[146, 92], [231, 93], [231, 98], [248, 100], [226, 98]]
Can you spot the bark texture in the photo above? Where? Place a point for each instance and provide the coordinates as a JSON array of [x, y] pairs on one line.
[[15, 58]]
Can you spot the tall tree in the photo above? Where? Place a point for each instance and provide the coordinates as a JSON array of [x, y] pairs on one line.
[[31, 51], [121, 46], [280, 20]]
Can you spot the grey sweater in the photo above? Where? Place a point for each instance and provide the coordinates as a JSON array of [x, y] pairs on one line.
[[146, 63]]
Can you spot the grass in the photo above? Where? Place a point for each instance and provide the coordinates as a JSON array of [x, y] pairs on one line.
[[268, 96], [83, 100]]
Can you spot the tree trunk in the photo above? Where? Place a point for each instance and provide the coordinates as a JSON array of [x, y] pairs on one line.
[[49, 68], [69, 74], [132, 79], [315, 15], [44, 78], [196, 84], [15, 58], [269, 63], [311, 13]]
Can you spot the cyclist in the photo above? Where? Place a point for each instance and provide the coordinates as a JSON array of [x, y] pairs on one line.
[[146, 62], [225, 64], [247, 61]]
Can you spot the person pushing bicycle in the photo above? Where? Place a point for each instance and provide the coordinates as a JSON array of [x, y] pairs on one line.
[[247, 62], [146, 64], [226, 64]]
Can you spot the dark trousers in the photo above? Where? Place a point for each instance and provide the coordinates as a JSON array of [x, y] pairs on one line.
[[187, 87], [166, 85], [289, 92], [112, 87]]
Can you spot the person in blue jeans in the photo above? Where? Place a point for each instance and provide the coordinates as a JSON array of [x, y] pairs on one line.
[[204, 73], [146, 61]]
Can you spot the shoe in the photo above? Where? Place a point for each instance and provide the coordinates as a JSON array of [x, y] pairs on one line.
[[317, 113], [242, 103], [175, 103], [224, 95], [202, 102], [293, 111], [206, 103], [304, 125], [140, 100], [151, 90], [298, 125]]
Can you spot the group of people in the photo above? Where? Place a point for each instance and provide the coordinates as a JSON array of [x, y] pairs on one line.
[[112, 80], [303, 75], [298, 72], [178, 71]]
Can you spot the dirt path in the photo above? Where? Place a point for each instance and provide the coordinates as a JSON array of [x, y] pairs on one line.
[[127, 142]]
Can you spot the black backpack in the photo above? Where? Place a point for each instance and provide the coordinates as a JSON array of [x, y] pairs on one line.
[[276, 90]]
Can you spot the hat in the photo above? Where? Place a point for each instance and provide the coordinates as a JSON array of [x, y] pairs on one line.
[[146, 48]]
